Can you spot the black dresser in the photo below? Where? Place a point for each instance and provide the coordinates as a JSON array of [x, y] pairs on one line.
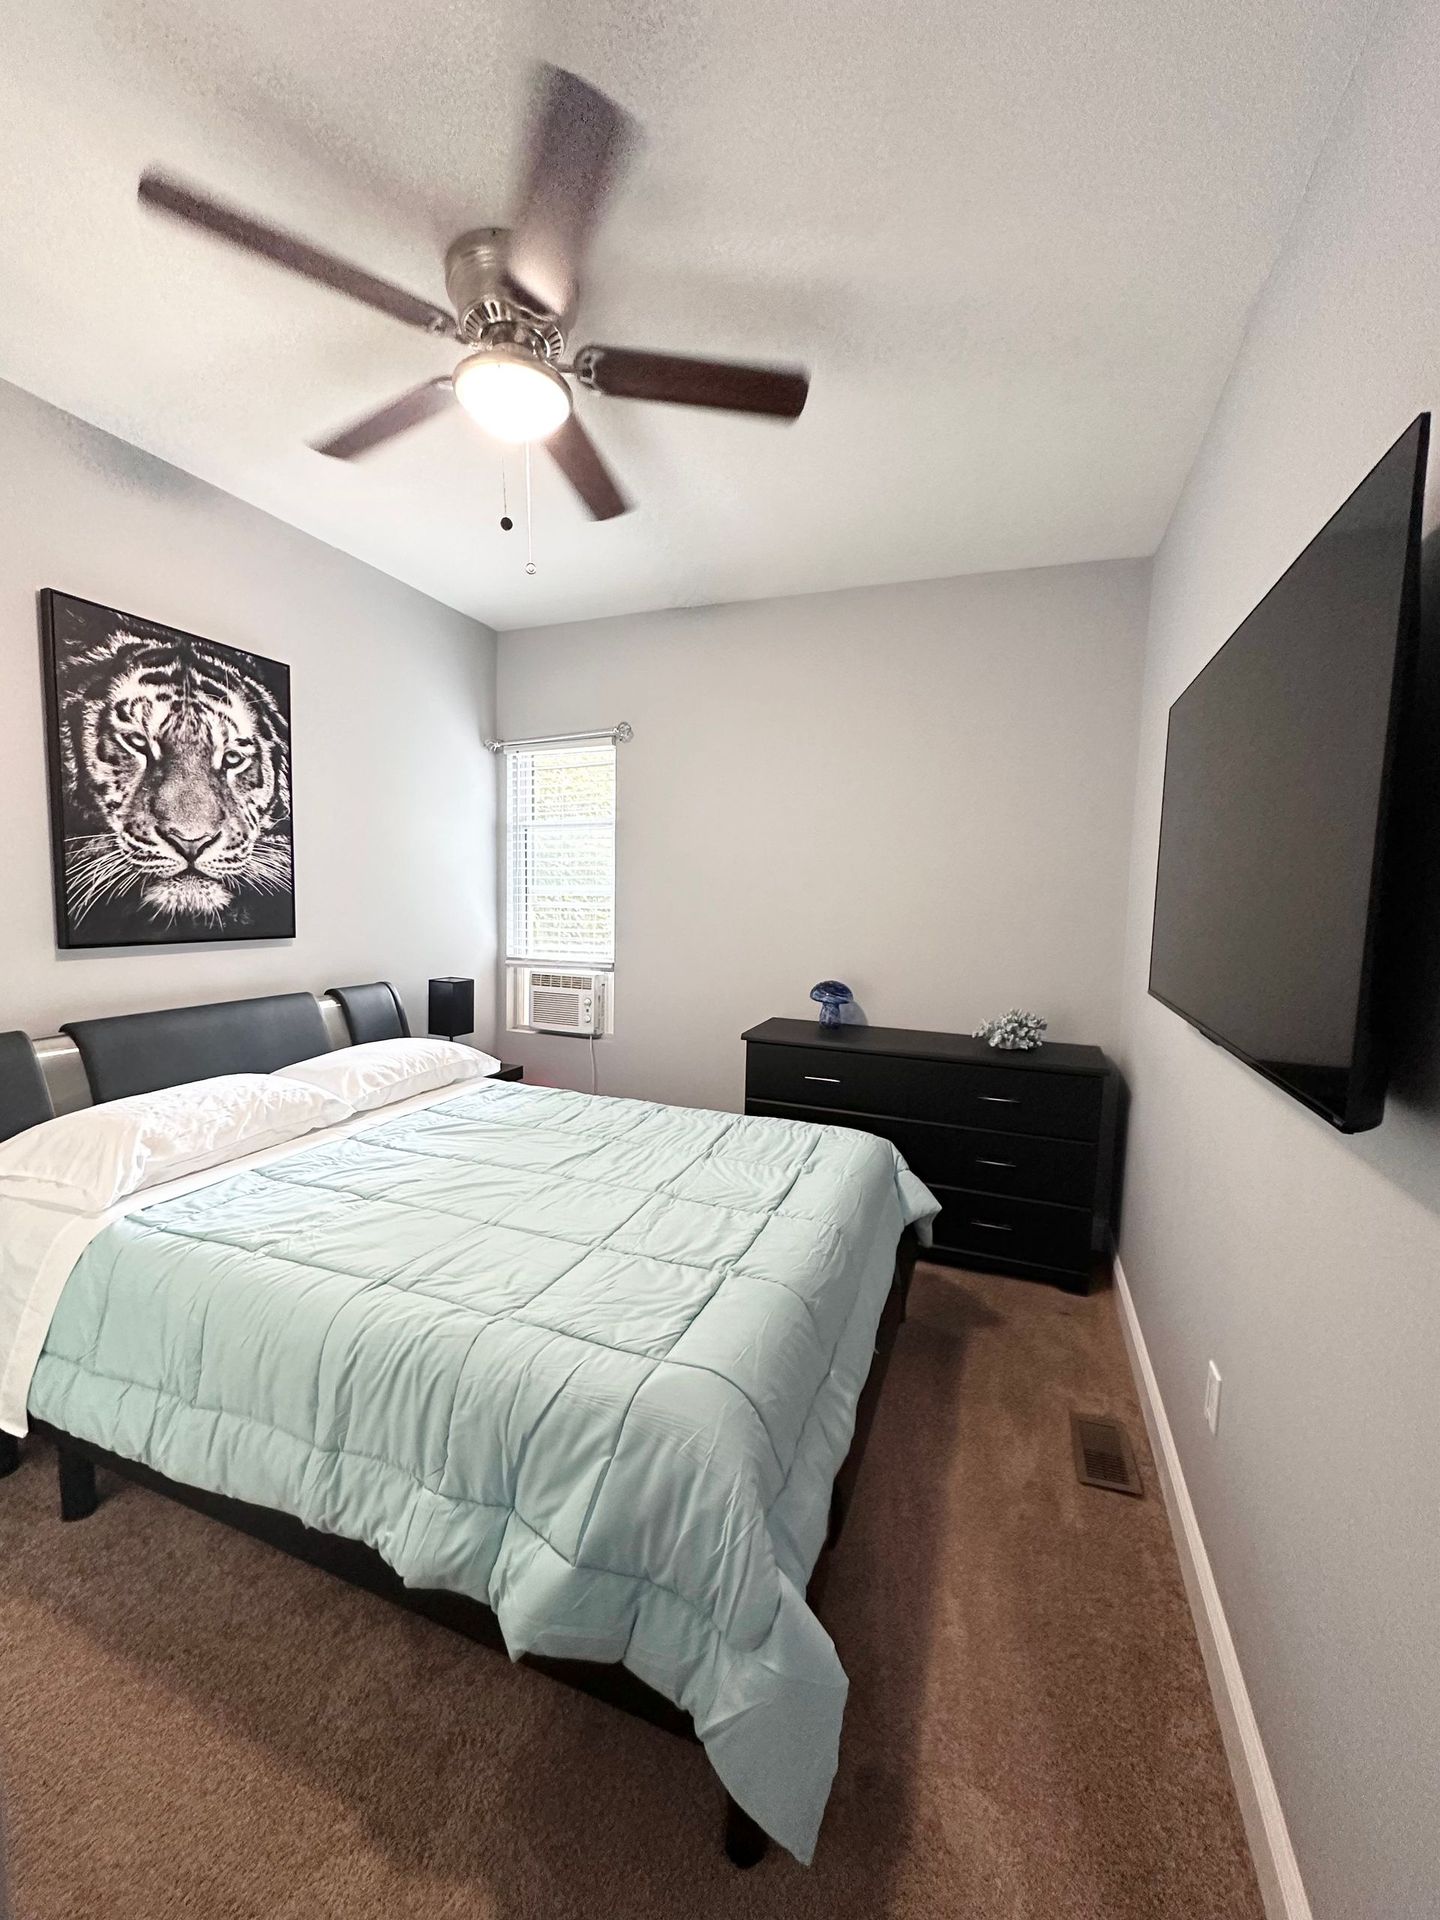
[[1018, 1147]]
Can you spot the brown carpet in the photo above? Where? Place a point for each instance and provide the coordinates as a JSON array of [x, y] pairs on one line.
[[194, 1725]]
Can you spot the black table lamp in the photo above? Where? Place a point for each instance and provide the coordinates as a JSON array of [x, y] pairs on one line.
[[452, 1006]]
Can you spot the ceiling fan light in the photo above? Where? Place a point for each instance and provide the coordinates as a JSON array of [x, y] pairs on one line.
[[512, 394]]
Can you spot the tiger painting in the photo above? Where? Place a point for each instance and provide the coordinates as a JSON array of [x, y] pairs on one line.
[[170, 782]]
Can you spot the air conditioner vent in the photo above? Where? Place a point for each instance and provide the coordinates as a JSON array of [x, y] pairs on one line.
[[552, 1000], [555, 1007], [1103, 1455]]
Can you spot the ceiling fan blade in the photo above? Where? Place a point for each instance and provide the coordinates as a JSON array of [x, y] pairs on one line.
[[578, 458], [420, 403], [577, 140], [166, 195], [629, 373]]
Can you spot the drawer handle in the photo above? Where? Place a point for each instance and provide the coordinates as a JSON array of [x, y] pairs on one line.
[[980, 1161], [999, 1100], [830, 1079], [991, 1226]]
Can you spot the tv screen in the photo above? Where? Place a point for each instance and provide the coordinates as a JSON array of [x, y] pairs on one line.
[[1277, 785]]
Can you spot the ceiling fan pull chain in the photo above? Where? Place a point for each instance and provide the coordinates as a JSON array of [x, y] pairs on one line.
[[506, 523], [529, 520]]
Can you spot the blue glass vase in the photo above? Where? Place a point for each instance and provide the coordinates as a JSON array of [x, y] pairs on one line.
[[832, 996]]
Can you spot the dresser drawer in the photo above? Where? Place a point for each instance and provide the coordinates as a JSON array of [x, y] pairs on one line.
[[1026, 1166], [1065, 1105], [934, 1153], [820, 1077], [1007, 1230]]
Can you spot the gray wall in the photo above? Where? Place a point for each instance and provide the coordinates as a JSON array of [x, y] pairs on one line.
[[924, 790], [391, 696], [1307, 1264]]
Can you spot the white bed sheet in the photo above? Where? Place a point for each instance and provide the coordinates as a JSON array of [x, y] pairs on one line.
[[40, 1245]]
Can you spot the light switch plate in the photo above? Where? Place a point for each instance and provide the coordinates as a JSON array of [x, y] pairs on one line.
[[1212, 1397]]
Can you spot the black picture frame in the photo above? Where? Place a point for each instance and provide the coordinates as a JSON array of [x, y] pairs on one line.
[[168, 757]]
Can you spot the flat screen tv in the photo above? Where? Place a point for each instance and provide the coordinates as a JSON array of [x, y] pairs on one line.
[[1278, 779]]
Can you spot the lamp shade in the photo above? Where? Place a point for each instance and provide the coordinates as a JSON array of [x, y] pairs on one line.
[[513, 394], [452, 1006]]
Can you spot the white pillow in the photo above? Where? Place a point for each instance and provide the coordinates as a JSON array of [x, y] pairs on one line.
[[379, 1072], [88, 1161]]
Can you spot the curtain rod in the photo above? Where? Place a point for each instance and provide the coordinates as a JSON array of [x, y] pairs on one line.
[[619, 733]]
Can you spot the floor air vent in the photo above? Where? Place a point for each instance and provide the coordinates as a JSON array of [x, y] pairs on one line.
[[1103, 1455]]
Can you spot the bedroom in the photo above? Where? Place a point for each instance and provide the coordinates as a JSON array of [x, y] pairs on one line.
[[1100, 317]]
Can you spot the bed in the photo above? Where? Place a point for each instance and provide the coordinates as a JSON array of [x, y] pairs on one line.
[[586, 1378]]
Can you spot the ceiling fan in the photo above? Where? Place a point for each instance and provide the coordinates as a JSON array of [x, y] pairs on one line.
[[514, 292]]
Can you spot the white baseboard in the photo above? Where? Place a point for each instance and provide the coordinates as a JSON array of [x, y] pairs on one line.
[[1276, 1868]]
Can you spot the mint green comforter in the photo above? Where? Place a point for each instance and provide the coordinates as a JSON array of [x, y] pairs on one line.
[[594, 1362]]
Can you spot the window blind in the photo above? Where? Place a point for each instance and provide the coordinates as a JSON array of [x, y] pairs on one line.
[[560, 854]]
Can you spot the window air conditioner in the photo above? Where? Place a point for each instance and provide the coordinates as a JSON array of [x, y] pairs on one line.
[[565, 1002]]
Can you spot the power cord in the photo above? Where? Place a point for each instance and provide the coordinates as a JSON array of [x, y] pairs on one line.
[[594, 1068]]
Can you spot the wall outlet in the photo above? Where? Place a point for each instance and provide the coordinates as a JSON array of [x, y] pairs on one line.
[[1212, 1397]]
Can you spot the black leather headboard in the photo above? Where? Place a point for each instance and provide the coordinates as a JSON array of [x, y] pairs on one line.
[[24, 1097], [373, 1012], [138, 1052]]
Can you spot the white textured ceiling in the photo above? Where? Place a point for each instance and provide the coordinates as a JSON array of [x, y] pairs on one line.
[[1014, 240]]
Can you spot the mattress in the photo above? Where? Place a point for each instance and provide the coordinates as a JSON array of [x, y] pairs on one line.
[[593, 1362]]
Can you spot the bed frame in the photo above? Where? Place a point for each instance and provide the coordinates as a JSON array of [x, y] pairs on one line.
[[139, 1052]]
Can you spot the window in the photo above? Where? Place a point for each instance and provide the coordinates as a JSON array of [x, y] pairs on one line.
[[560, 855]]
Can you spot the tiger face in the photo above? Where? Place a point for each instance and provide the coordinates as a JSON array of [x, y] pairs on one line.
[[181, 760]]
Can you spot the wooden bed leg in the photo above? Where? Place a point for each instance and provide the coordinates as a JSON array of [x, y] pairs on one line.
[[78, 1498], [745, 1842], [9, 1454], [839, 1507], [905, 1271]]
